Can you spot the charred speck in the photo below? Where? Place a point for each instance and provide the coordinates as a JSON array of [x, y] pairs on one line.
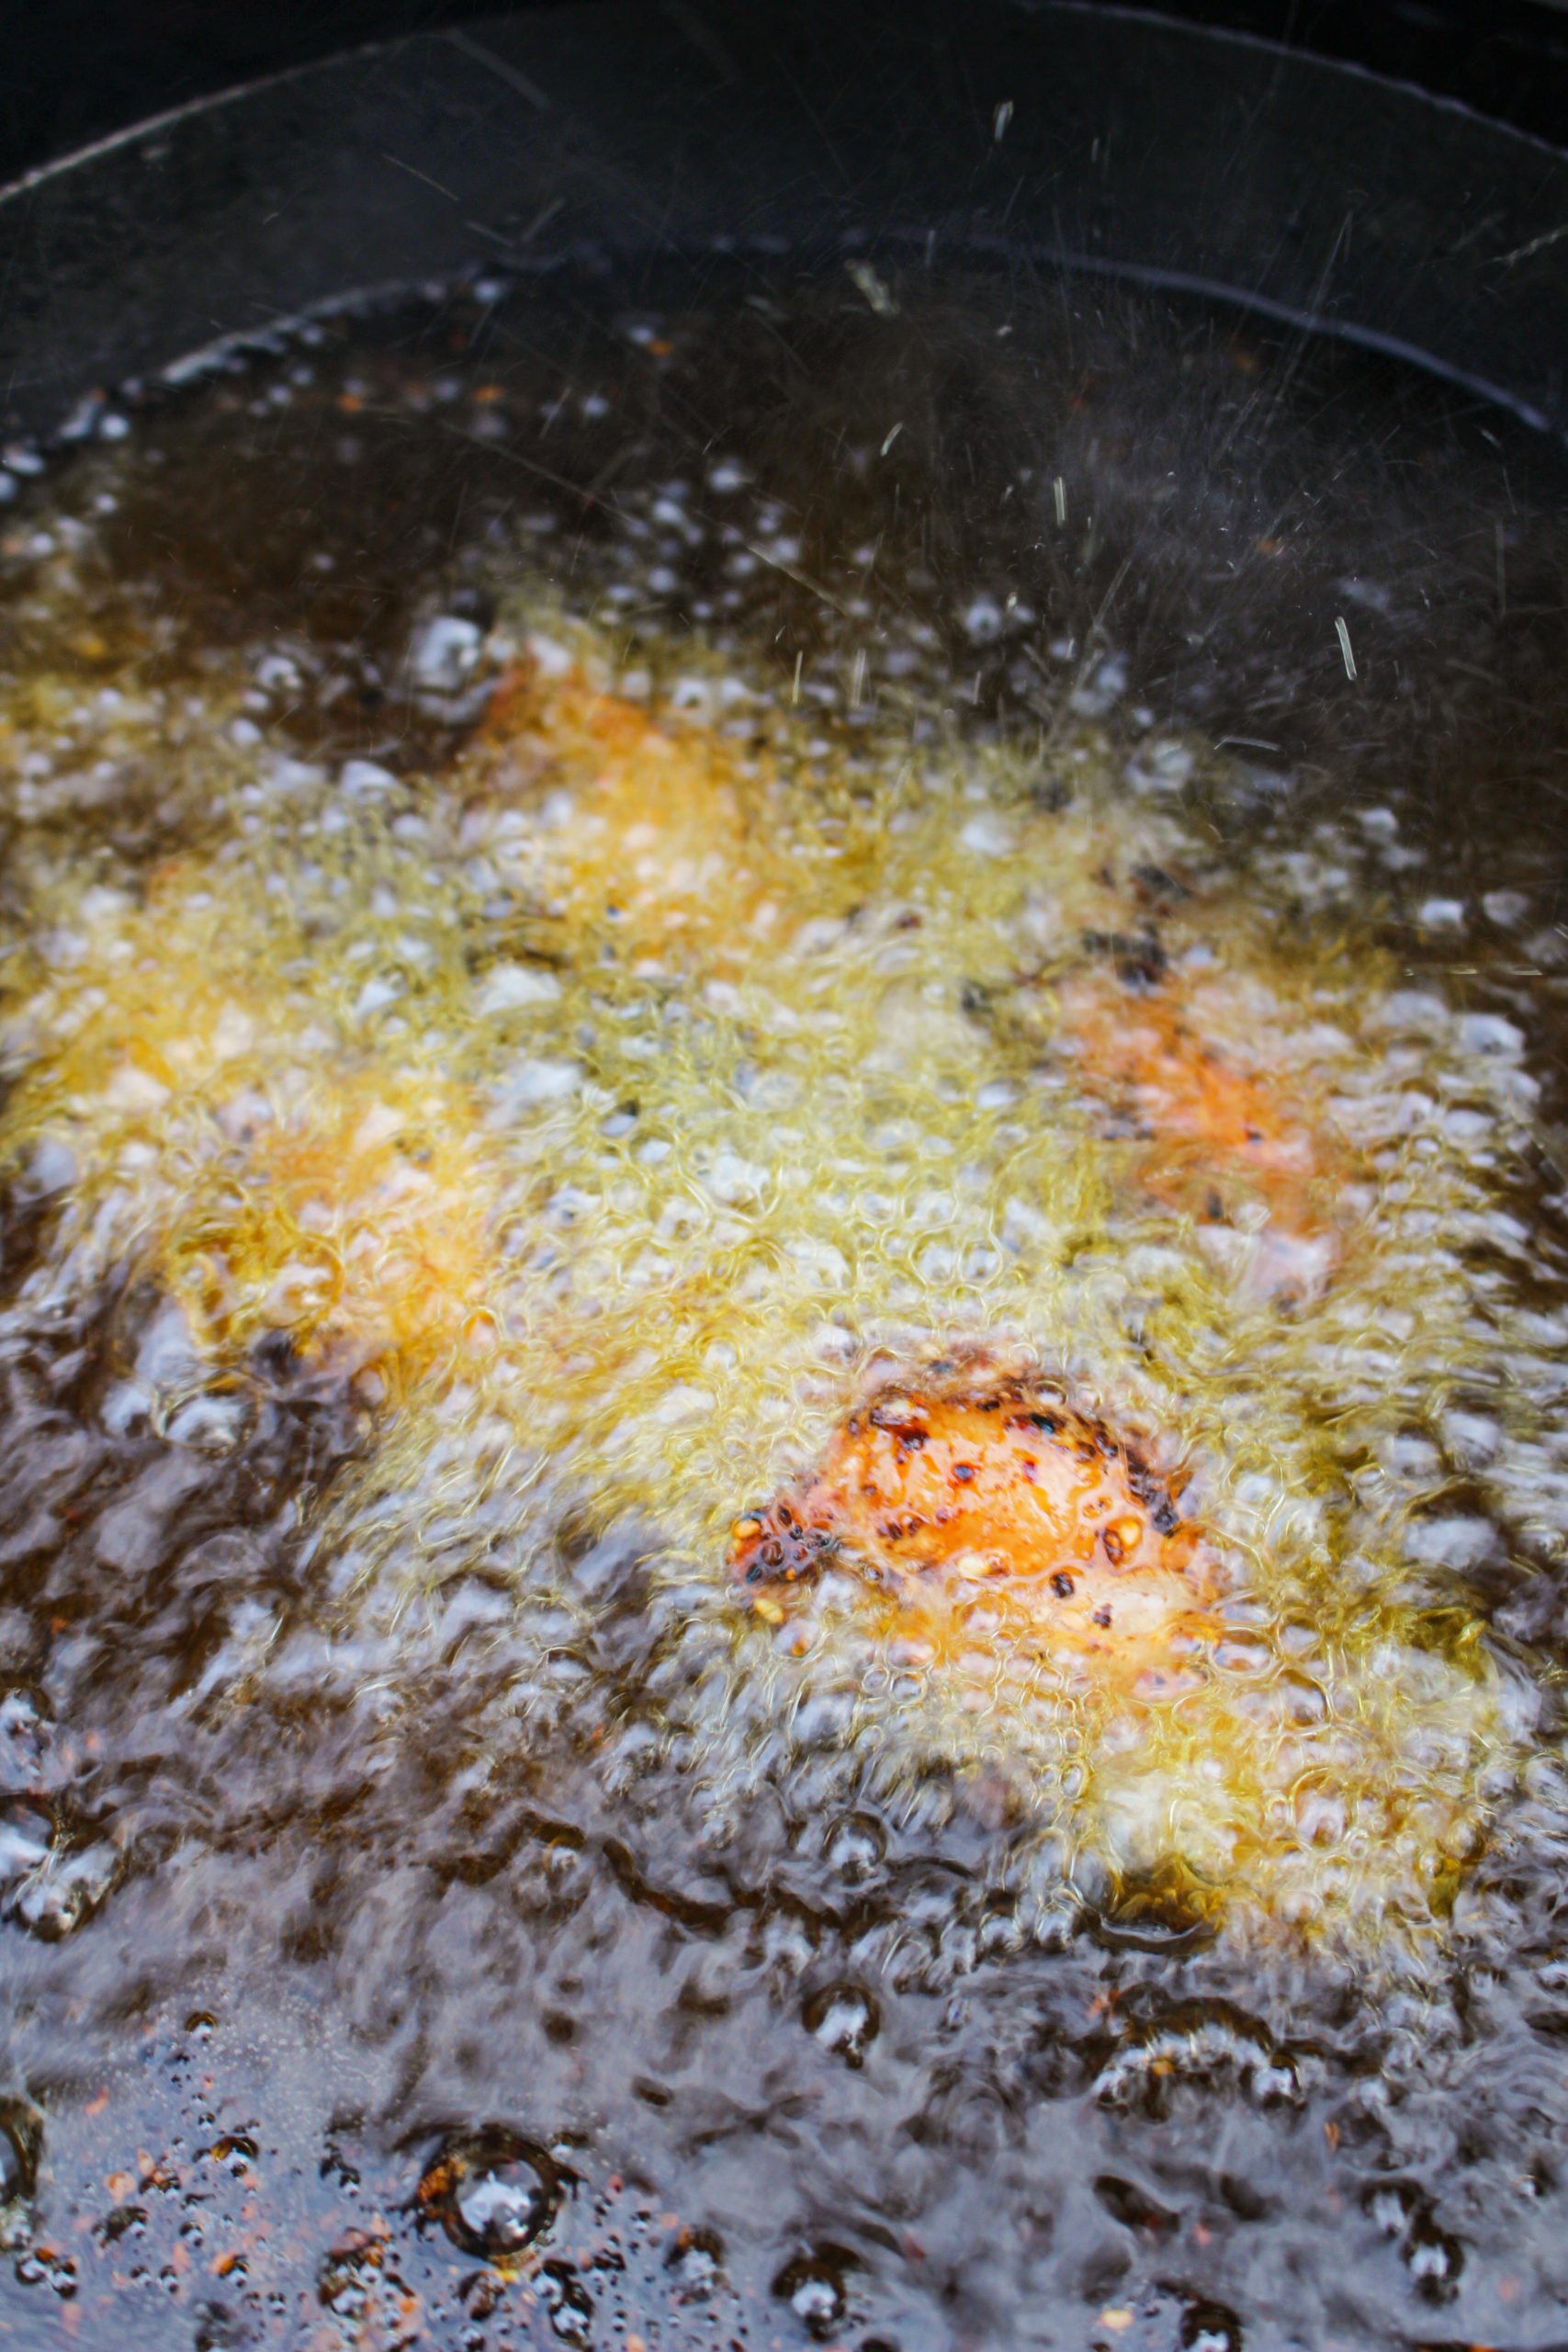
[[1062, 1585], [964, 1472], [1141, 961], [894, 1416], [1145, 967], [1155, 882], [1102, 1614], [1152, 1492]]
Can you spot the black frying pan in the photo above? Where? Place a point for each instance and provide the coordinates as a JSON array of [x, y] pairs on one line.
[[1306, 202], [1292, 340]]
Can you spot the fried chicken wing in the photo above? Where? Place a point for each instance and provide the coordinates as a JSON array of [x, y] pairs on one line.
[[960, 1483], [1196, 1069], [1212, 1125]]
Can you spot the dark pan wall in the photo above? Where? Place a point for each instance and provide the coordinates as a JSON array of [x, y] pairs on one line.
[[75, 70]]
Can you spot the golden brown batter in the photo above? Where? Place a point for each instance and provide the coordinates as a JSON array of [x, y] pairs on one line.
[[966, 1481]]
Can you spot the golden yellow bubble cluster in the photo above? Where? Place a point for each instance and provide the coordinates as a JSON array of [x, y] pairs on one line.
[[606, 1103]]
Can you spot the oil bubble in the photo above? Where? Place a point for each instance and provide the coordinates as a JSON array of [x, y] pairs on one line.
[[844, 2019], [695, 2263], [27, 1841], [1166, 1909], [816, 2287], [1168, 2318], [856, 1846], [1209, 2327], [65, 1889], [236, 2152], [493, 2192], [44, 2267], [21, 2144], [568, 2301], [1202, 2046], [1390, 2206], [444, 655], [343, 2282], [1434, 2259]]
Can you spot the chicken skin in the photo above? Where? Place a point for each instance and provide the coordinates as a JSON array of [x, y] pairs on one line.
[[357, 1228], [1211, 1129], [965, 1483]]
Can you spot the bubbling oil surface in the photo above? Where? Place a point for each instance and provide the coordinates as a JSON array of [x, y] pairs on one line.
[[612, 1101], [501, 1064]]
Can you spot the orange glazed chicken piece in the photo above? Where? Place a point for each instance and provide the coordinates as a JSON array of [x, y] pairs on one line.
[[964, 1483], [1212, 1132], [1205, 1116]]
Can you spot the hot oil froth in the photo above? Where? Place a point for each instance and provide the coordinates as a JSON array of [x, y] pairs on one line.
[[607, 1102]]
